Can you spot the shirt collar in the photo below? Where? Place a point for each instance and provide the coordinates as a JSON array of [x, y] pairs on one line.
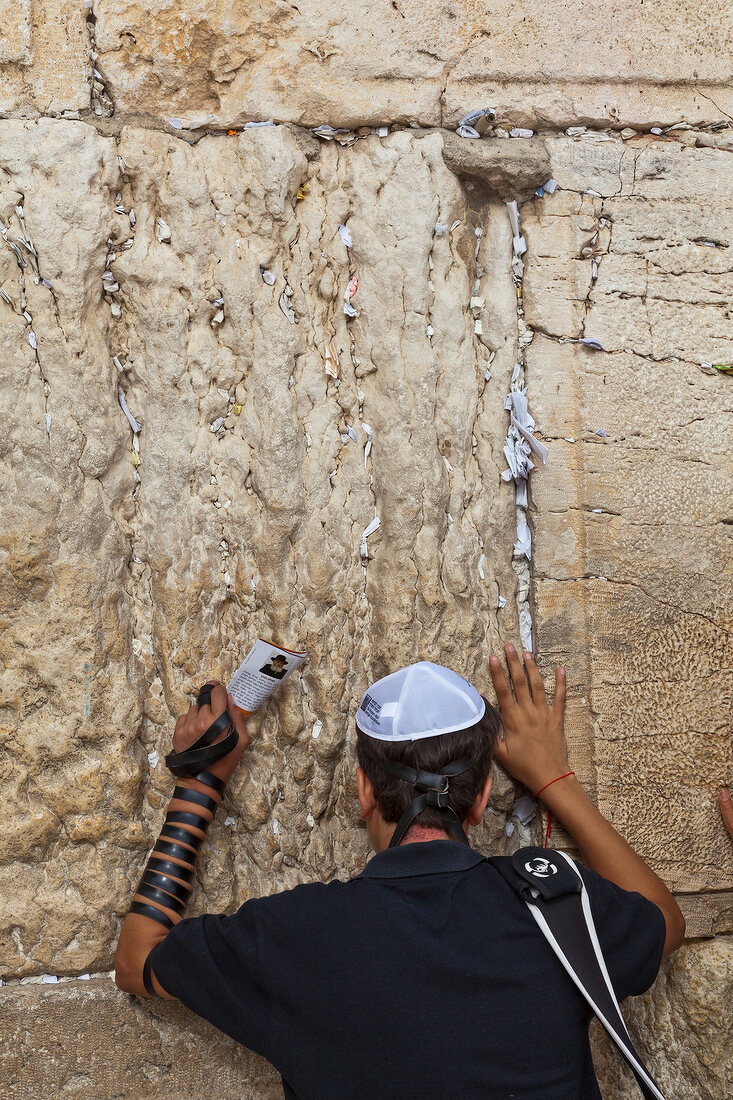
[[428, 857]]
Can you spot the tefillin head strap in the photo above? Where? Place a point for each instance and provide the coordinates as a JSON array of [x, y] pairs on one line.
[[434, 787]]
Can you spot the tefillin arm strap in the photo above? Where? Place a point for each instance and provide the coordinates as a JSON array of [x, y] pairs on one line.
[[202, 752], [434, 787], [164, 881]]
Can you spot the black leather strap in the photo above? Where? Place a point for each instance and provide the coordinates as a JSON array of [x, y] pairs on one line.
[[165, 867], [548, 885], [147, 975], [165, 848], [203, 752], [190, 760], [426, 781], [150, 911], [211, 780], [203, 699], [186, 794], [164, 882], [212, 732], [183, 817], [435, 788], [453, 822], [183, 835], [153, 894]]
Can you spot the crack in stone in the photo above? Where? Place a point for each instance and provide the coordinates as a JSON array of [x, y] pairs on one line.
[[635, 584], [715, 105], [22, 264]]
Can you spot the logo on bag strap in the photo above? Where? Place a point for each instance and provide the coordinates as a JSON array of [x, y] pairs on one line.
[[540, 867]]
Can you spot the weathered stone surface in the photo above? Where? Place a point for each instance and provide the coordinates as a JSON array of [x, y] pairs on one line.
[[707, 914], [512, 169], [632, 528], [96, 1042], [44, 57], [655, 258], [16, 39], [253, 529], [424, 63], [67, 771], [416, 62]]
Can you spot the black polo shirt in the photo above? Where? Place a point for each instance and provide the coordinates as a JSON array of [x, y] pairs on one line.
[[425, 976]]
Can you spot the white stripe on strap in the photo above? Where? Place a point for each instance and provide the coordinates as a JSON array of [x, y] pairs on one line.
[[588, 914], [612, 1031]]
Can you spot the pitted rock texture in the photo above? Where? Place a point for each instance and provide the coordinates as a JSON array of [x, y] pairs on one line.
[[633, 526], [133, 593]]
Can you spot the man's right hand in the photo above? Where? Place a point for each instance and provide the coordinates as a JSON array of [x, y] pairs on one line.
[[534, 751]]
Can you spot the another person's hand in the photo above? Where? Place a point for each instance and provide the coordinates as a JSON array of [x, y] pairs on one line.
[[197, 720], [726, 808], [534, 750]]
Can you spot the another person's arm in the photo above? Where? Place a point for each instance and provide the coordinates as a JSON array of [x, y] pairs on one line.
[[535, 753], [726, 809], [140, 934]]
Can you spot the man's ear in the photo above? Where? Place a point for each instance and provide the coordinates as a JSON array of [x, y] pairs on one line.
[[366, 794], [479, 803]]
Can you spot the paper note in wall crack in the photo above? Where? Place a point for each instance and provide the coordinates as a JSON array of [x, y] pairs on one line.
[[265, 666]]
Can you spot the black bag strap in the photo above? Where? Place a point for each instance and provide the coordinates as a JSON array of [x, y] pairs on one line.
[[555, 894]]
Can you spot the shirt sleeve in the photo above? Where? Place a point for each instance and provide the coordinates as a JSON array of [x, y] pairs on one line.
[[631, 930], [211, 963]]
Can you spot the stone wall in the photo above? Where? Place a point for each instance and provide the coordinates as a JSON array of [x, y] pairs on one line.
[[201, 275]]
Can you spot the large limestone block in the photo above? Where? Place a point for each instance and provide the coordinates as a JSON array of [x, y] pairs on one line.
[[632, 535], [632, 513], [44, 57], [549, 63], [416, 62], [681, 1028], [554, 64], [707, 914], [87, 1040], [121, 594], [16, 40], [67, 772]]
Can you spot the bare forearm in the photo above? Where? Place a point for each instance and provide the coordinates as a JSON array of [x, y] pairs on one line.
[[605, 851]]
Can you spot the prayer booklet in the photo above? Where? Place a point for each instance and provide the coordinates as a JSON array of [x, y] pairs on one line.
[[262, 670]]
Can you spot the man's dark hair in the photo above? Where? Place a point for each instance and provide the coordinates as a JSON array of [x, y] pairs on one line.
[[430, 754]]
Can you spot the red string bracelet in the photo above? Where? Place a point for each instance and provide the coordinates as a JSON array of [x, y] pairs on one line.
[[553, 781], [549, 815]]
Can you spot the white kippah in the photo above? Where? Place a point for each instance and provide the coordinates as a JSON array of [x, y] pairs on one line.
[[422, 700]]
